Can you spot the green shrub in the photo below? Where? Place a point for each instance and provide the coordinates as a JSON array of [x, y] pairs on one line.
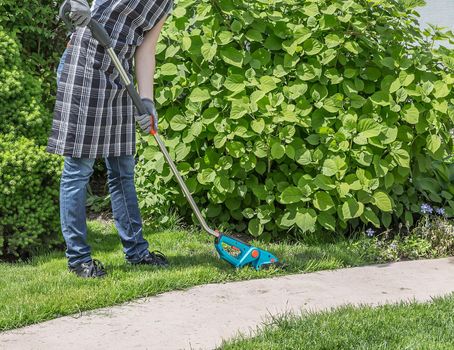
[[29, 217], [21, 110], [29, 177], [301, 115]]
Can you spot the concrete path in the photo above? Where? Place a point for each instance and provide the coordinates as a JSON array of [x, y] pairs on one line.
[[201, 317]]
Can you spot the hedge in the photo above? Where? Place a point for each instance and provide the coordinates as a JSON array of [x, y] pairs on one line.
[[291, 116], [29, 176]]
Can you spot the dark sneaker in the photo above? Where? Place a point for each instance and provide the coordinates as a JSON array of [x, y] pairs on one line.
[[91, 269], [155, 258]]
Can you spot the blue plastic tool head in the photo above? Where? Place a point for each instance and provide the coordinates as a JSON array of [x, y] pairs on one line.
[[240, 254]]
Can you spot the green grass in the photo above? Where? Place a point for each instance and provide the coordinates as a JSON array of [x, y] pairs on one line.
[[407, 326], [43, 288]]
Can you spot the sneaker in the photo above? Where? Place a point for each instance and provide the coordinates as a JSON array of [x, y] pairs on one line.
[[155, 258], [91, 269]]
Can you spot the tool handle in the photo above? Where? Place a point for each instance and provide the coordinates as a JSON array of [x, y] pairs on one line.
[[99, 33]]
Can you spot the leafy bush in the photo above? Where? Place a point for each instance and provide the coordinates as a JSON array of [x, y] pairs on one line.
[[29, 217], [29, 177], [301, 115], [21, 109]]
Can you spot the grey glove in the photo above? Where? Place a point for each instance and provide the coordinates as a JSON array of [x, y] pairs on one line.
[[145, 121], [80, 12]]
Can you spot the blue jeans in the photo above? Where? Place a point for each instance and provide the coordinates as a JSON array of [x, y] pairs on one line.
[[73, 192]]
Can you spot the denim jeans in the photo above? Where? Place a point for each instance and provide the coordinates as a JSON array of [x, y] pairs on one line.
[[61, 64], [73, 191]]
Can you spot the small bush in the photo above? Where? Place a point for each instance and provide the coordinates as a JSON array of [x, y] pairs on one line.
[[29, 216], [302, 116]]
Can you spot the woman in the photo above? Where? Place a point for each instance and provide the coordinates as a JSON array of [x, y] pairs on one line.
[[94, 118]]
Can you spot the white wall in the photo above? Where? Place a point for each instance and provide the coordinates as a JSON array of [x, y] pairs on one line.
[[438, 12]]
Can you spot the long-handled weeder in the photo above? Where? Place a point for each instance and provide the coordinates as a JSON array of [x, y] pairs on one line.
[[234, 251]]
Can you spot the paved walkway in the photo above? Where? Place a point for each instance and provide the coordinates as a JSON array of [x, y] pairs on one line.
[[201, 317]]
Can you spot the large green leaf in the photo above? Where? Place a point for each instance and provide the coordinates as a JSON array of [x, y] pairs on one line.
[[306, 219], [352, 209], [333, 40], [368, 128], [382, 201], [381, 98], [255, 228], [208, 51], [312, 47], [178, 123], [291, 195], [277, 150], [232, 56], [334, 166], [235, 148], [224, 37], [206, 176], [327, 221], [235, 83], [441, 89], [323, 201], [371, 217], [401, 157], [169, 69], [199, 95], [267, 84], [258, 125], [433, 143], [410, 114]]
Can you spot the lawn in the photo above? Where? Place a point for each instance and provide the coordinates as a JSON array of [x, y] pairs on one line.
[[408, 326], [43, 288]]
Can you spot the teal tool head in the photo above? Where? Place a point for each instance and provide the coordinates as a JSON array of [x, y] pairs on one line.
[[240, 254]]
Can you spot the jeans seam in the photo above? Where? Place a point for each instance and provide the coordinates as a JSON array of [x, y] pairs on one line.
[[126, 207], [63, 204]]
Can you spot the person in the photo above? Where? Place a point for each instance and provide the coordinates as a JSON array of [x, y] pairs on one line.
[[94, 117]]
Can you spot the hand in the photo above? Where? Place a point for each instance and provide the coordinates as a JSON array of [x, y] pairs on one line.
[[80, 12], [145, 121]]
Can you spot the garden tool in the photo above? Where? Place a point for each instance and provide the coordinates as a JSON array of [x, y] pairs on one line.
[[230, 249]]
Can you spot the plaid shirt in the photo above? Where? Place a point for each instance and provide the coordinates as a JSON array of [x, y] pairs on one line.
[[94, 115]]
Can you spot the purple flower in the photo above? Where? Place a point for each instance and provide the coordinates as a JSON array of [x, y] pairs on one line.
[[440, 211], [393, 246], [426, 208], [370, 232]]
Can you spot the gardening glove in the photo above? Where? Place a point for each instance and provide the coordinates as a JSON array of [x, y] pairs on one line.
[[145, 121], [80, 12]]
